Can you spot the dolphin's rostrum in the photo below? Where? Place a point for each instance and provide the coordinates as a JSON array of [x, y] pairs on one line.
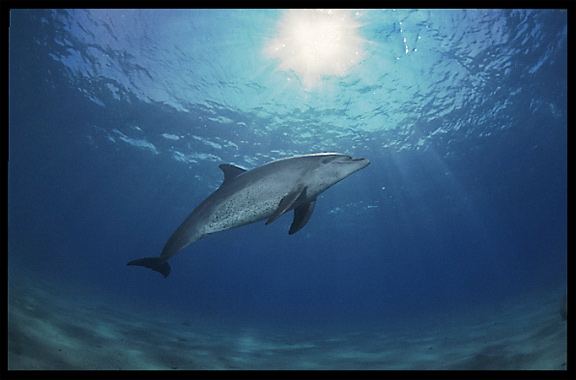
[[265, 192]]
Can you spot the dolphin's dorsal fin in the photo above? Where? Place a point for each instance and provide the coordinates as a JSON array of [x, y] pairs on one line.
[[230, 172]]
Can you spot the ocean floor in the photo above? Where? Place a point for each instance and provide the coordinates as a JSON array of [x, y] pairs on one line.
[[49, 331]]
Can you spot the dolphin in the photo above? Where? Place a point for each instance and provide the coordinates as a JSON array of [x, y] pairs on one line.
[[265, 192]]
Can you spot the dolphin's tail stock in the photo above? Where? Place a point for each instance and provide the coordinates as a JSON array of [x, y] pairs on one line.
[[153, 263]]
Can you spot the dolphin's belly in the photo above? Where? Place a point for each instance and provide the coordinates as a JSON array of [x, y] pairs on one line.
[[248, 205]]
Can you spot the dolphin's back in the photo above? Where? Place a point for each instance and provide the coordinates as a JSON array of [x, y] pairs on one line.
[[250, 197]]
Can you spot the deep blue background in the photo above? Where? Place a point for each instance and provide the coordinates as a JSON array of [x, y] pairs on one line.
[[464, 203]]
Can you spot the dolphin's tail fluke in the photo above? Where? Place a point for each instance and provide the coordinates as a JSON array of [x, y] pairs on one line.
[[153, 263]]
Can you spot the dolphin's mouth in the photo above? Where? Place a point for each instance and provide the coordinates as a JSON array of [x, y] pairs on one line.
[[363, 160], [350, 158], [358, 163]]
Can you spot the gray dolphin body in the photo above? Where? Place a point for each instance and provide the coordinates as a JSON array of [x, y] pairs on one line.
[[265, 192]]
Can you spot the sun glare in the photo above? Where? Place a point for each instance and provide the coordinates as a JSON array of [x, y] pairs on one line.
[[317, 43]]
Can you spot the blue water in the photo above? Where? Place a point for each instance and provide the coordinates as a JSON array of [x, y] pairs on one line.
[[120, 118]]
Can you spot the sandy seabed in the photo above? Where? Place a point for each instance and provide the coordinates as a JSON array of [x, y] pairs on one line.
[[47, 330]]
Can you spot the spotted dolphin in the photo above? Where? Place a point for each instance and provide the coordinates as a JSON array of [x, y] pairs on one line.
[[265, 192]]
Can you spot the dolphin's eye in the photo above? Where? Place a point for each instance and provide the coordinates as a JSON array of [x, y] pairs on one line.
[[327, 160]]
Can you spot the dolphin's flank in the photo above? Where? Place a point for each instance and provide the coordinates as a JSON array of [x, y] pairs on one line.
[[265, 192]]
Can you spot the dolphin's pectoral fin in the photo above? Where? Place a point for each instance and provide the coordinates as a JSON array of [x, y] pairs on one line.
[[301, 216], [153, 263], [287, 202]]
